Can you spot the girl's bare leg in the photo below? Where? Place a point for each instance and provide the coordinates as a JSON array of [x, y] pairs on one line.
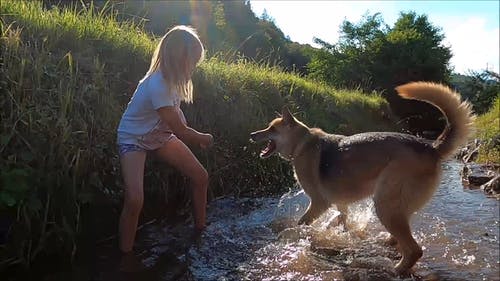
[[178, 155], [132, 164]]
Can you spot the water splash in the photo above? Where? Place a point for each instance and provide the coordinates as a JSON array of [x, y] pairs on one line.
[[259, 239]]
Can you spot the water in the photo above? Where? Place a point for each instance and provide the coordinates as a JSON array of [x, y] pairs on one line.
[[258, 239]]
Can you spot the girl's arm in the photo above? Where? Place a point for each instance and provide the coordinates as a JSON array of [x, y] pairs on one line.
[[181, 115], [173, 119]]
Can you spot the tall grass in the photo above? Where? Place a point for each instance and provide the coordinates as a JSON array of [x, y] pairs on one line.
[[488, 130], [65, 78], [60, 102]]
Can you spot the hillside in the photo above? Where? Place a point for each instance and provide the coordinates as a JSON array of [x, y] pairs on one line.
[[228, 28], [66, 76]]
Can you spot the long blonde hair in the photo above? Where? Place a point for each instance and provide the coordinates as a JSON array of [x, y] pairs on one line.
[[176, 56]]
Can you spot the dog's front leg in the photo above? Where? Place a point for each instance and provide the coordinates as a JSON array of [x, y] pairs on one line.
[[317, 207]]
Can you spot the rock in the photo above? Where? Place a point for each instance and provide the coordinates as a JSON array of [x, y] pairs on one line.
[[479, 174], [374, 268], [492, 187], [375, 262], [470, 152], [326, 251], [461, 153], [471, 156]]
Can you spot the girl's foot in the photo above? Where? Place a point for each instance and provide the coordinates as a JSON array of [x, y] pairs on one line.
[[130, 263], [197, 235]]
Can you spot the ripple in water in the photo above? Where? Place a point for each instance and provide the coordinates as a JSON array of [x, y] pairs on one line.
[[258, 239]]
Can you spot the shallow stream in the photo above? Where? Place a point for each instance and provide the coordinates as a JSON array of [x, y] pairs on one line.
[[258, 239]]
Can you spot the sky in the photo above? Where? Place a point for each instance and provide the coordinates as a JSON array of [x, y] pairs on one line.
[[471, 28]]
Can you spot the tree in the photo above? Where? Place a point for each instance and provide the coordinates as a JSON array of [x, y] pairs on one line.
[[479, 88], [414, 52], [349, 63], [372, 56], [229, 28]]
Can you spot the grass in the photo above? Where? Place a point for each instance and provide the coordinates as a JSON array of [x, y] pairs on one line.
[[66, 76], [343, 111], [488, 130]]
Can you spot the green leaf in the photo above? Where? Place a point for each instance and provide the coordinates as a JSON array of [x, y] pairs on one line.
[[7, 199]]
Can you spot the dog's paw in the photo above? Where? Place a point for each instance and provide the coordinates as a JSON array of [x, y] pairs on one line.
[[391, 241], [403, 272], [404, 268]]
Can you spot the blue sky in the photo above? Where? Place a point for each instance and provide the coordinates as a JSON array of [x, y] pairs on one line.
[[471, 27]]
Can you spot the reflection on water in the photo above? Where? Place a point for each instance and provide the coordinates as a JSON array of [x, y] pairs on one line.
[[257, 239]]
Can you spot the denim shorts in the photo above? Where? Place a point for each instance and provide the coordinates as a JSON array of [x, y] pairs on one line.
[[148, 142], [127, 147]]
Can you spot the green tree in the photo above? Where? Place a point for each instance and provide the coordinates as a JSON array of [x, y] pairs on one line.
[[372, 56], [227, 28], [349, 63], [479, 88], [414, 51]]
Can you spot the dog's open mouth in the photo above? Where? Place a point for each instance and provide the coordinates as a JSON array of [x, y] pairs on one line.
[[269, 150]]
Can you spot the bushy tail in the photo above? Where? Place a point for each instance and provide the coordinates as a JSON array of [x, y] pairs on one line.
[[458, 114]]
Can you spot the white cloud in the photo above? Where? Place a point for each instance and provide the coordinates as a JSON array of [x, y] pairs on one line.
[[474, 46]]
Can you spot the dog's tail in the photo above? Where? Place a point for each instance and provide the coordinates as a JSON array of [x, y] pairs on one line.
[[458, 114]]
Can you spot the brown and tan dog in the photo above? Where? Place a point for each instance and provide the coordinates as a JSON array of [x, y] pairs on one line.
[[401, 171]]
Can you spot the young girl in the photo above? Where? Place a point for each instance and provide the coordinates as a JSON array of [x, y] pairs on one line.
[[154, 122]]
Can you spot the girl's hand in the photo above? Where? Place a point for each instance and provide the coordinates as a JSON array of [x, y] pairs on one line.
[[207, 141]]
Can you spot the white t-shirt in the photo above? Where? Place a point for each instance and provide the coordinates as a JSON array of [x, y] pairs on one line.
[[141, 116]]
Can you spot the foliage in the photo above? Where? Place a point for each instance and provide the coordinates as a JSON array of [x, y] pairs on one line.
[[57, 109], [66, 75], [226, 27], [350, 62], [372, 56], [479, 88], [488, 131]]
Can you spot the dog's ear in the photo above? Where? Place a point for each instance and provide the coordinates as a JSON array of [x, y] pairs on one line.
[[287, 116]]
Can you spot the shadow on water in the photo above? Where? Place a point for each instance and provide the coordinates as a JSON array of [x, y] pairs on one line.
[[258, 239]]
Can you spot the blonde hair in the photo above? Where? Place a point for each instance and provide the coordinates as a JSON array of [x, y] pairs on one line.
[[176, 56]]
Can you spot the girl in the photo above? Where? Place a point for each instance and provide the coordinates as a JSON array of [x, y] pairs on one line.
[[153, 121]]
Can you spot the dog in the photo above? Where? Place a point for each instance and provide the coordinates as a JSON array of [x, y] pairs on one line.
[[400, 171]]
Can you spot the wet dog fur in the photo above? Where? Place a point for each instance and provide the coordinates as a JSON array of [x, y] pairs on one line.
[[400, 171]]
